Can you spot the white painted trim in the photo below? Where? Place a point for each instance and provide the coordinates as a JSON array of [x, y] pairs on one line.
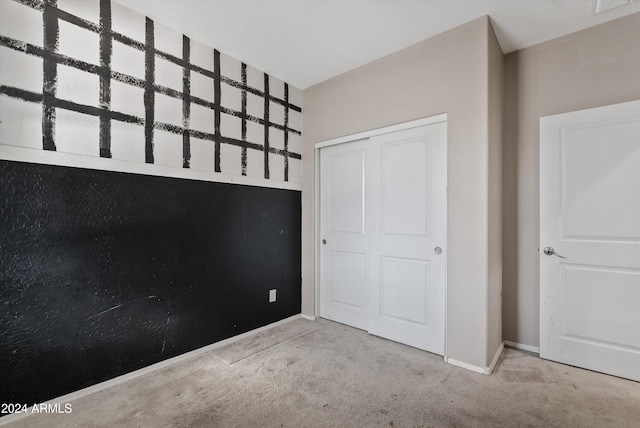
[[483, 370], [39, 156], [534, 349], [149, 369], [386, 130], [316, 231], [464, 365], [308, 317], [496, 357]]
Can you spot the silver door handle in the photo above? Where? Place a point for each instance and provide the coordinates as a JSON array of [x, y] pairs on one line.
[[549, 251]]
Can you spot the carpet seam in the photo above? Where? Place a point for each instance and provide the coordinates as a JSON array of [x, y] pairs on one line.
[[270, 347]]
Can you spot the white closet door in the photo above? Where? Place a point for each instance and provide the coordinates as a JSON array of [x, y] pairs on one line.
[[383, 235], [343, 252], [407, 249]]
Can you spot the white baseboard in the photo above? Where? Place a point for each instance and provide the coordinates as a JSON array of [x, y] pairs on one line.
[[484, 370], [140, 372], [308, 317], [534, 349], [464, 365], [496, 357]]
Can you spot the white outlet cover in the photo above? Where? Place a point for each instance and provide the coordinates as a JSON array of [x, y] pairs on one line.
[[272, 296]]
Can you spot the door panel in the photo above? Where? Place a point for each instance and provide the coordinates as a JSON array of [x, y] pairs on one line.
[[405, 289], [405, 188], [590, 215], [347, 192], [601, 305], [348, 278], [593, 164]]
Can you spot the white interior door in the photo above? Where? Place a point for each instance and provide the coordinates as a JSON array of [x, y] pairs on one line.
[[590, 239], [407, 252], [383, 235]]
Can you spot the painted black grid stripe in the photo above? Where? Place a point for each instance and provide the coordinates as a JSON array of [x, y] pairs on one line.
[[88, 25], [286, 132], [49, 75], [127, 79], [266, 126], [34, 4], [105, 77], [186, 103], [51, 58], [243, 152], [149, 92], [174, 129], [217, 97], [80, 22], [69, 105]]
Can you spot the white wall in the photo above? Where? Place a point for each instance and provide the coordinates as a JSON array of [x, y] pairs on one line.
[[243, 125]]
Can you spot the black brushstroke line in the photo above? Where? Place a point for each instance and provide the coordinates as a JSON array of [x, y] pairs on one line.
[[127, 79], [180, 62], [256, 146], [49, 75], [70, 105], [174, 129], [122, 117], [258, 92], [178, 130], [91, 68], [88, 25], [186, 103], [48, 56], [21, 94], [243, 153], [106, 48], [286, 132], [34, 4], [149, 92], [128, 41], [266, 126], [80, 22], [207, 73], [217, 99], [96, 111]]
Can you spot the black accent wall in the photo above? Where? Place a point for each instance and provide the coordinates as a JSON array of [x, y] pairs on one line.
[[102, 273]]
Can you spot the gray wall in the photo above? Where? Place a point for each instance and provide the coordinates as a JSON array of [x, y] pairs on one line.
[[448, 73], [590, 68]]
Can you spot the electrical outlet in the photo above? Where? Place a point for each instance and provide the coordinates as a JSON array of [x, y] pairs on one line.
[[272, 295]]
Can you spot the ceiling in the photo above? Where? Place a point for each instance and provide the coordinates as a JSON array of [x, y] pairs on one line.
[[304, 42]]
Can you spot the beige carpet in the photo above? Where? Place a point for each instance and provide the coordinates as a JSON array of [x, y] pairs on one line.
[[324, 374]]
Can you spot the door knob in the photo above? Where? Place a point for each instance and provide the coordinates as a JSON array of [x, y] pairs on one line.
[[549, 251], [437, 250], [324, 242]]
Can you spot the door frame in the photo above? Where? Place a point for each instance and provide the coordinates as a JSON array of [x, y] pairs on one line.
[[316, 220]]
